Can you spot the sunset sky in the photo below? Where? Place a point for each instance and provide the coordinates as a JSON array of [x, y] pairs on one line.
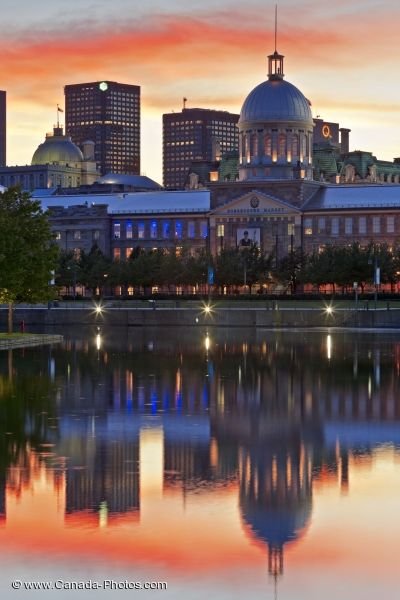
[[342, 55]]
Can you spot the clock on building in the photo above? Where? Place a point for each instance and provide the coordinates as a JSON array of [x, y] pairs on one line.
[[103, 86], [326, 131]]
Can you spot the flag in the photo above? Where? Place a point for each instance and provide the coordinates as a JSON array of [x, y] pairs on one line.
[[59, 109]]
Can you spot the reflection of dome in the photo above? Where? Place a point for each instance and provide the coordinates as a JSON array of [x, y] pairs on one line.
[[275, 100], [276, 526], [57, 149], [133, 181]]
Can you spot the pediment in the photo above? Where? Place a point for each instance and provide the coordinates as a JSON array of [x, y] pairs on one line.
[[255, 203]]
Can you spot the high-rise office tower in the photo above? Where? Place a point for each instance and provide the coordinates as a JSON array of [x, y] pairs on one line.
[[3, 129], [107, 113], [195, 134]]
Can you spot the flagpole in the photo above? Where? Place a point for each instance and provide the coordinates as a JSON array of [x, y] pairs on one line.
[[58, 118]]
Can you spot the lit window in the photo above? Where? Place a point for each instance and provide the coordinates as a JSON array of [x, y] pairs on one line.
[[220, 230], [77, 235], [308, 227], [96, 234], [129, 252], [178, 229], [129, 230], [117, 230], [204, 229], [141, 231], [153, 230], [117, 253], [58, 235], [166, 229], [290, 229]]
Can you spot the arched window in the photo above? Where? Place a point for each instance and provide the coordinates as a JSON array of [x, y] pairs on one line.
[[254, 145], [247, 148], [282, 144], [295, 146], [241, 148], [267, 145]]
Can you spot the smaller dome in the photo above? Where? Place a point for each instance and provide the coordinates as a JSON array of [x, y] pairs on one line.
[[133, 181], [57, 149]]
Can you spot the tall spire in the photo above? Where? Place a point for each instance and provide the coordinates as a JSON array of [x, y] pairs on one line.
[[275, 60]]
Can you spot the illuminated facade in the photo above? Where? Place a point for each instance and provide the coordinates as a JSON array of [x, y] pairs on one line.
[[195, 134], [109, 114], [3, 128]]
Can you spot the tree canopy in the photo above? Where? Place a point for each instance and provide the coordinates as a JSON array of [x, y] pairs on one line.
[[28, 254]]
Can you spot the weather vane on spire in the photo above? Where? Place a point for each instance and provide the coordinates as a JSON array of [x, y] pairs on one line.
[[276, 23]]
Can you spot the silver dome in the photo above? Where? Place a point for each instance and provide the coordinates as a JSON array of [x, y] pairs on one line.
[[275, 100], [57, 149]]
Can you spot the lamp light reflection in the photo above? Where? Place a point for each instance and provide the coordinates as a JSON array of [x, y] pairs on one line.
[[328, 346], [98, 341], [207, 342]]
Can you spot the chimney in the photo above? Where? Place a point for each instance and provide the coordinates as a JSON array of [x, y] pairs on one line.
[[88, 150], [344, 140]]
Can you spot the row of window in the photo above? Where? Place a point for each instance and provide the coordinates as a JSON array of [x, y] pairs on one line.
[[125, 253], [349, 226], [254, 145], [77, 234], [159, 229]]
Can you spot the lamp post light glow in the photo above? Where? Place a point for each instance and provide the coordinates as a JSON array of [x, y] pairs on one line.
[[207, 309]]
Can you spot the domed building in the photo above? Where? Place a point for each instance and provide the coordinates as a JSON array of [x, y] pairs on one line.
[[57, 149], [56, 163], [275, 129]]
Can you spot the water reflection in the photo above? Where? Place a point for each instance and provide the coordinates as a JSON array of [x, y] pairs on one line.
[[215, 438]]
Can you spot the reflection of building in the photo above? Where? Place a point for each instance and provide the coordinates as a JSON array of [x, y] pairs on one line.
[[109, 114], [103, 476], [195, 134], [275, 494], [3, 128]]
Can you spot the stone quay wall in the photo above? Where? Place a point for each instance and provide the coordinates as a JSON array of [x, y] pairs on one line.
[[158, 316]]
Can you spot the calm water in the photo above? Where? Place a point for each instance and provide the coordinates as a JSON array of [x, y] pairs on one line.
[[254, 465]]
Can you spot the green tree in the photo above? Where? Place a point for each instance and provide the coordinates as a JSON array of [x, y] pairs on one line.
[[28, 254], [94, 269], [289, 269]]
